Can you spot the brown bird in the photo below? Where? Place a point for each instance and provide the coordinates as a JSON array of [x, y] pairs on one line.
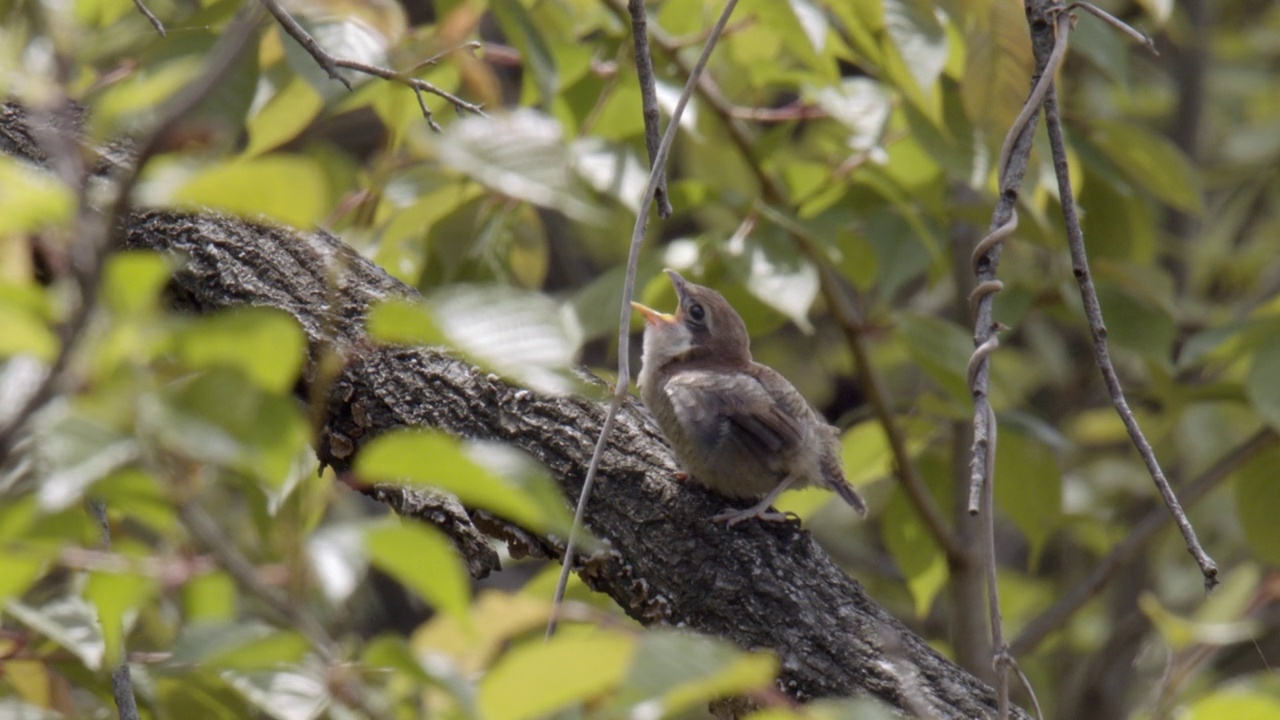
[[735, 425]]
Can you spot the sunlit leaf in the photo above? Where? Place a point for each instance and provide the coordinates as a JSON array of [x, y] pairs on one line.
[[522, 154], [141, 94], [263, 343], [284, 695], [288, 188], [31, 198], [524, 335], [497, 619], [1234, 703], [117, 596], [673, 672], [920, 42], [284, 116], [434, 459], [860, 104], [422, 559], [540, 677], [612, 169], [1180, 632], [914, 551], [70, 621], [276, 648], [77, 453], [338, 558], [132, 281]]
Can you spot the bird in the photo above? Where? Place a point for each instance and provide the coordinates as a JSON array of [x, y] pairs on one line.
[[735, 425]]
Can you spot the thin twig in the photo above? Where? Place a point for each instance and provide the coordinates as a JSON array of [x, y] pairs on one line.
[[97, 228], [1098, 330], [331, 65], [648, 98], [985, 260], [621, 387], [1117, 23], [1055, 617], [151, 18], [121, 679], [308, 43]]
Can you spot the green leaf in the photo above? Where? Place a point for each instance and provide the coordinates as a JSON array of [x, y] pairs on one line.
[[31, 198], [518, 25], [132, 280], [436, 460], [422, 559], [917, 555], [117, 596], [941, 348], [138, 97], [293, 695], [284, 117], [291, 189], [264, 344], [1258, 504], [861, 104], [541, 677], [1151, 162], [76, 452], [673, 672], [210, 599], [1234, 703], [919, 48], [1028, 487], [997, 69], [69, 621], [273, 649], [25, 332]]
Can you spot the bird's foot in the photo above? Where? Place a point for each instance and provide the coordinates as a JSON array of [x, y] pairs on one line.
[[732, 517]]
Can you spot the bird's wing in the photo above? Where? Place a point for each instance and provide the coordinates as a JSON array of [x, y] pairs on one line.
[[723, 408]]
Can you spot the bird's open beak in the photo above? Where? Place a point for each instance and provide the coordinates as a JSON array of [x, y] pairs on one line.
[[680, 284], [653, 317]]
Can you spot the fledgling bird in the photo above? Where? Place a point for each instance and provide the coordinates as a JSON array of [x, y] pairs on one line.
[[735, 425]]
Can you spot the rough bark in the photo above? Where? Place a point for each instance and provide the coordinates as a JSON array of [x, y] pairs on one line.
[[760, 585]]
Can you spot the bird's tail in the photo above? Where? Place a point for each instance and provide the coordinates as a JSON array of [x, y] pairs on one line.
[[851, 496]]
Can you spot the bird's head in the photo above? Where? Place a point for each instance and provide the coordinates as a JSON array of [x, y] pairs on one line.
[[704, 327]]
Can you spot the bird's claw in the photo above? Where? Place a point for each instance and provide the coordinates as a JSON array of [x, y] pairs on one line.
[[732, 517]]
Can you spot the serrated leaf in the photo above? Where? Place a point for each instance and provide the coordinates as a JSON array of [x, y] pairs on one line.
[[541, 677], [422, 559], [522, 155], [264, 344], [290, 189]]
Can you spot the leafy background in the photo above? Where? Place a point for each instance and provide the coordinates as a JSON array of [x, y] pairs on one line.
[[868, 128]]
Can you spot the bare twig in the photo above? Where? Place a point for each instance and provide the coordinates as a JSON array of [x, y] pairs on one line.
[[1000, 657], [331, 65], [97, 230], [621, 387], [121, 680], [648, 99], [308, 43], [151, 18], [1055, 617], [1117, 23], [1098, 330]]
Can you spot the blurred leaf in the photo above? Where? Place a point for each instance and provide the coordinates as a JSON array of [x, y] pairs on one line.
[[284, 117], [914, 551], [861, 104], [1151, 162], [519, 27], [498, 619], [1234, 703], [866, 454], [612, 169], [70, 621], [274, 649], [540, 677], [290, 189], [920, 47], [1028, 487], [210, 600], [77, 452], [404, 322], [522, 155], [338, 558], [997, 69], [292, 695], [118, 597], [421, 558], [139, 96], [1180, 632], [362, 32], [524, 335], [265, 344], [31, 198], [132, 280], [673, 672], [1258, 504], [1263, 383], [941, 348], [434, 459]]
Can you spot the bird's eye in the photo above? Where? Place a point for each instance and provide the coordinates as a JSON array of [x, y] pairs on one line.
[[697, 313]]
